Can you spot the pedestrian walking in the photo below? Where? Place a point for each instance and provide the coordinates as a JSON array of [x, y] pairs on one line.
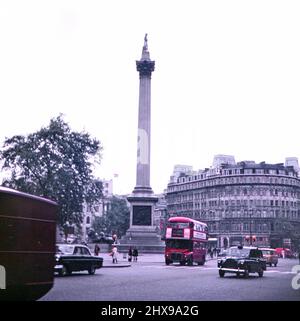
[[114, 254], [215, 251], [135, 254], [129, 254], [96, 250], [299, 256]]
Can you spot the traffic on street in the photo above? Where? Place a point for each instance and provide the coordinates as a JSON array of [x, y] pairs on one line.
[[150, 279]]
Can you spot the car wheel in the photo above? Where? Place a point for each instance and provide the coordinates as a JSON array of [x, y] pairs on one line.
[[260, 272], [65, 271], [92, 270], [190, 261], [168, 262], [221, 273], [275, 264], [246, 273]]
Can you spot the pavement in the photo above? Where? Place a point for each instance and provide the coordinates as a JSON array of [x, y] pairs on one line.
[[123, 259], [142, 258]]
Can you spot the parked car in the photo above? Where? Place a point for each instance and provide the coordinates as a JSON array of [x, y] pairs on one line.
[[71, 239], [103, 238], [242, 260], [270, 255], [75, 257]]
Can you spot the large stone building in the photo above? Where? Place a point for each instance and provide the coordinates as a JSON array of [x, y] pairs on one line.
[[90, 212], [242, 202]]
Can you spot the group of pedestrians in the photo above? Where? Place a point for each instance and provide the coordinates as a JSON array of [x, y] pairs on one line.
[[113, 253], [213, 252], [132, 253]]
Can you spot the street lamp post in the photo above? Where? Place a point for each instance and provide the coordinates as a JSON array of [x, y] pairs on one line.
[[251, 209], [250, 214]]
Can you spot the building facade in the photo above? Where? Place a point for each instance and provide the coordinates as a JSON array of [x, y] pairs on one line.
[[160, 214], [242, 202], [98, 209]]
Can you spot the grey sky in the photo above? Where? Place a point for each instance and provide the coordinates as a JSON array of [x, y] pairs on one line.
[[226, 79]]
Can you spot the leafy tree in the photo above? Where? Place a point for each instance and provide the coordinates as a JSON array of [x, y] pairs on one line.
[[55, 163], [116, 219]]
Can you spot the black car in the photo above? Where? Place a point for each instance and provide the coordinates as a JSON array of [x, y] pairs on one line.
[[75, 257], [242, 260], [105, 239]]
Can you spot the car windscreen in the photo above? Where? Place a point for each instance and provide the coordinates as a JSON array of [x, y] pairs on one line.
[[238, 252], [267, 252], [256, 253], [180, 244], [64, 249]]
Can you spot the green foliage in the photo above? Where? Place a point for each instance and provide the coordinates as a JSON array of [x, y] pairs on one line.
[[55, 163], [116, 220]]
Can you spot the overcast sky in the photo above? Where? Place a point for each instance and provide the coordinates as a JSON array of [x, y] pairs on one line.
[[226, 79]]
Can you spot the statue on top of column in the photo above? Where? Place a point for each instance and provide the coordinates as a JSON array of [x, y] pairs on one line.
[[145, 42]]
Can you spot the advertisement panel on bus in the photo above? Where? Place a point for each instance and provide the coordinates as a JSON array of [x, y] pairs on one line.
[[186, 241]]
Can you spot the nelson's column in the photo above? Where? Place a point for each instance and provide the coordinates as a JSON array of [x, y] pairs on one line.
[[142, 233]]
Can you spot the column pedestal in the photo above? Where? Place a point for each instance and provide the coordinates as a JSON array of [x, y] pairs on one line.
[[141, 233]]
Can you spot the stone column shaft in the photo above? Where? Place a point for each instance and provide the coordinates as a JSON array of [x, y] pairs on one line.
[[144, 134]]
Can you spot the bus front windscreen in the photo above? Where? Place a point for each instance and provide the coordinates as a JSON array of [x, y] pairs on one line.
[[180, 224], [180, 244]]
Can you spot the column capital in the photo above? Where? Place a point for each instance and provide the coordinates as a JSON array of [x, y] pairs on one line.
[[145, 67]]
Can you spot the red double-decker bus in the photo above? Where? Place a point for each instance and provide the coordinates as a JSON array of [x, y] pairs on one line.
[[186, 241]]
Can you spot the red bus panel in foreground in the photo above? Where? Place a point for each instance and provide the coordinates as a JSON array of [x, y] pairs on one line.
[[27, 245]]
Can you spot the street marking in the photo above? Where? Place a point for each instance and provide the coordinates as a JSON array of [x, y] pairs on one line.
[[283, 272], [174, 267], [203, 268]]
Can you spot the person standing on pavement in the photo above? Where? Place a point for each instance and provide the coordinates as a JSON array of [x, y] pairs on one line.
[[114, 254], [96, 250], [135, 254], [215, 251], [130, 254]]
